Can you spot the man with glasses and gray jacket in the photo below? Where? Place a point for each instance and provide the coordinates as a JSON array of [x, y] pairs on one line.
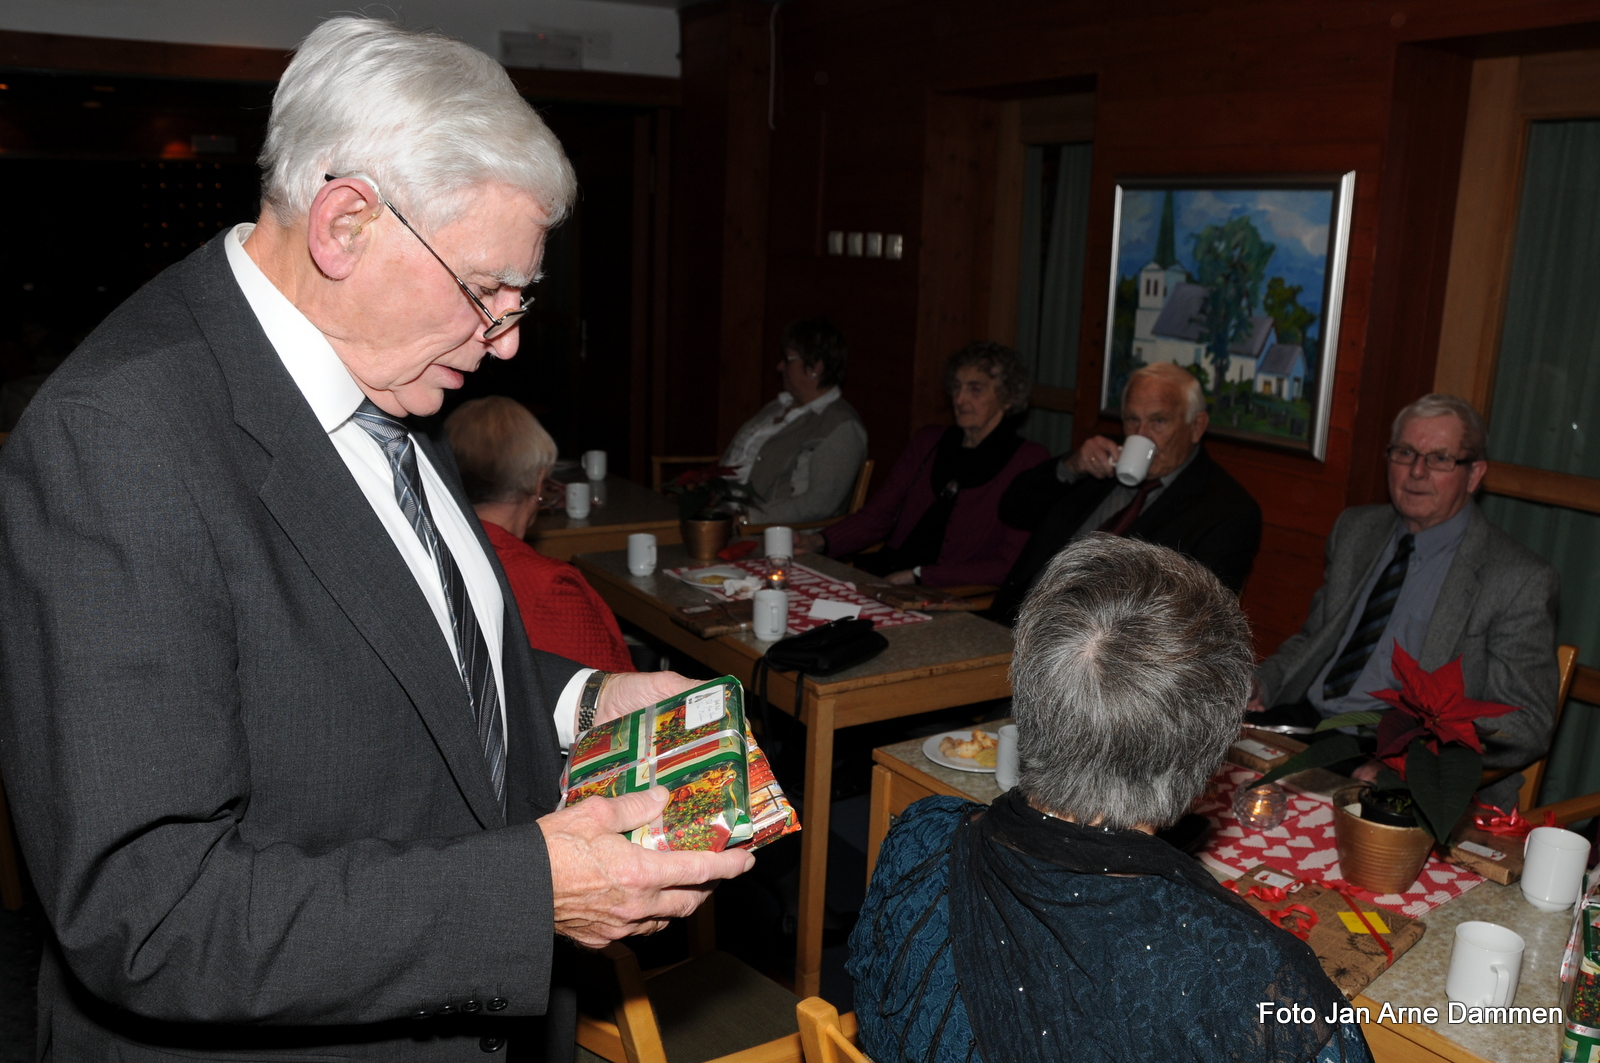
[[1430, 573]]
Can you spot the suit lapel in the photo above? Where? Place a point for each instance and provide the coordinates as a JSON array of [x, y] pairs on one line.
[[1177, 496], [1457, 595], [312, 496]]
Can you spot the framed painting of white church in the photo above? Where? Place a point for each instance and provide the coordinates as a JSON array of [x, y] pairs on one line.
[[1238, 280]]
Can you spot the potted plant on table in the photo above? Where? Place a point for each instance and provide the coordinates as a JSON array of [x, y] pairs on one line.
[[1430, 753], [706, 500]]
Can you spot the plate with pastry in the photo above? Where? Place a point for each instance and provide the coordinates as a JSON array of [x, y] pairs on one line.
[[966, 750]]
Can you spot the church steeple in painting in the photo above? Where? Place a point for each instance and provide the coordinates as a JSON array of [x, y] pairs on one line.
[[1166, 240]]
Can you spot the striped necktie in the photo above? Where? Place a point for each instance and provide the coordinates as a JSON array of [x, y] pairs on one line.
[[1374, 619], [477, 671], [1120, 521]]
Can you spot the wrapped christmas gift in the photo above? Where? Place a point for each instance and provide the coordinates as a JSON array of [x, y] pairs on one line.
[[1354, 941], [722, 793]]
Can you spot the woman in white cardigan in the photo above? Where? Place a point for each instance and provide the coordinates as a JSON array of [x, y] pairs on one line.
[[802, 451]]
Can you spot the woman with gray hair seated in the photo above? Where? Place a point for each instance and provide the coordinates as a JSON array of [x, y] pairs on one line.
[[938, 515], [1053, 924]]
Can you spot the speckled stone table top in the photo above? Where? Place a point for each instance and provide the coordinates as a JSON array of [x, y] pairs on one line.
[[973, 785], [1417, 978]]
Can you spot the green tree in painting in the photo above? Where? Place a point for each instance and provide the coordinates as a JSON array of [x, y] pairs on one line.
[[1282, 304], [1122, 322], [1230, 259]]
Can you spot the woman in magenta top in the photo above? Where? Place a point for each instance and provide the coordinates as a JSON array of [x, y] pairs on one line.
[[938, 514], [504, 454]]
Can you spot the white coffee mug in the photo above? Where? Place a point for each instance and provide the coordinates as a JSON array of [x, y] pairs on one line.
[[1484, 965], [1133, 464], [641, 554], [1552, 867], [779, 541], [1005, 758], [594, 464], [578, 501], [770, 615]]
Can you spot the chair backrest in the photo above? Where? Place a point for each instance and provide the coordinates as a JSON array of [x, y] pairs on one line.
[[822, 1036], [1533, 774], [658, 460], [858, 496]]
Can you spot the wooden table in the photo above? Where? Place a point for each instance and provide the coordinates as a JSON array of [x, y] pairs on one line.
[[628, 508], [953, 659], [901, 775]]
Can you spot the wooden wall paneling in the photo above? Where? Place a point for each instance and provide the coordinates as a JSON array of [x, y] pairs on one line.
[[742, 354], [1560, 85], [661, 170], [1064, 119], [1000, 282], [1543, 485], [959, 149], [1407, 296], [53, 51], [690, 382], [639, 388], [1484, 233]]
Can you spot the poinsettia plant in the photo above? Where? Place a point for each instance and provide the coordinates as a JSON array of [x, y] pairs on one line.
[[1429, 744], [708, 493]]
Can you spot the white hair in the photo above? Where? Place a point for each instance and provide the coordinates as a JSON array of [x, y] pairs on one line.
[[1187, 383], [1129, 681], [429, 118], [1474, 437]]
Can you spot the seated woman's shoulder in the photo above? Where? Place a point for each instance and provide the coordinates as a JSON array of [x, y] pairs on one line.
[[922, 829]]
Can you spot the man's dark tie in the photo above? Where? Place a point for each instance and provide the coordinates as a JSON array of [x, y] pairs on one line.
[[1120, 521], [1369, 630], [477, 671]]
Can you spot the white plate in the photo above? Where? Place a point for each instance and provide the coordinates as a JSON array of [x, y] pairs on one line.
[[930, 749], [716, 573]]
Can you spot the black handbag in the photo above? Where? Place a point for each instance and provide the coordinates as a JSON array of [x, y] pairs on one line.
[[824, 650]]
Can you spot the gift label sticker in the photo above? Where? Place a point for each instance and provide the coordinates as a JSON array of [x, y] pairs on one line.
[[702, 708], [1257, 749], [1273, 879], [1352, 922], [1480, 850]]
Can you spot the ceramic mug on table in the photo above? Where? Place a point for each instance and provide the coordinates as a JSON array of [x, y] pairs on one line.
[[1552, 867], [1484, 965], [594, 464], [641, 554], [1133, 464], [1005, 758], [770, 615], [778, 541], [578, 501]]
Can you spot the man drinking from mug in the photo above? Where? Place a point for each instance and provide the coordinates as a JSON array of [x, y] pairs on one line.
[[1185, 500]]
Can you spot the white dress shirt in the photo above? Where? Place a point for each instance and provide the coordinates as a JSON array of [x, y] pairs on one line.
[[333, 396]]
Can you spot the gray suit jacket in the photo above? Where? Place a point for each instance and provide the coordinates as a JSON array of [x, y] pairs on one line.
[[1496, 611], [241, 759]]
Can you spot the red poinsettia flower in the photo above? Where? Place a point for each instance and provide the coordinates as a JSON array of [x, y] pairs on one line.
[[1430, 705]]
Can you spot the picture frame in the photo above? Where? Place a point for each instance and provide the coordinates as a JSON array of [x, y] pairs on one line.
[[1259, 260]]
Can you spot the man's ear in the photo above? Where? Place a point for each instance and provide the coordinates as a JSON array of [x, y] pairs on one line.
[[1197, 428], [336, 225], [1476, 475]]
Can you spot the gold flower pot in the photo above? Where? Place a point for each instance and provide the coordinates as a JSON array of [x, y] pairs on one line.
[[1376, 856], [703, 538]]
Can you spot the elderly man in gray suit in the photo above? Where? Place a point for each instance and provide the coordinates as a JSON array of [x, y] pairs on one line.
[[283, 764], [1429, 573]]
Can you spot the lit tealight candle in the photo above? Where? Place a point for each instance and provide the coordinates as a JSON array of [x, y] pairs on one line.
[[1261, 807]]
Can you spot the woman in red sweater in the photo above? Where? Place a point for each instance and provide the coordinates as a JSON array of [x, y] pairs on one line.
[[504, 455]]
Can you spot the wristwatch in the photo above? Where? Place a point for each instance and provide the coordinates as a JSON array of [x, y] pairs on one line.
[[589, 699]]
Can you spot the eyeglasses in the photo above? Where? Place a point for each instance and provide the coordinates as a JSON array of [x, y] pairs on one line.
[[498, 326], [1436, 462]]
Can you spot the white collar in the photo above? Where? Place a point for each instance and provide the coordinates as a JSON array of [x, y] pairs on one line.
[[816, 405], [305, 352]]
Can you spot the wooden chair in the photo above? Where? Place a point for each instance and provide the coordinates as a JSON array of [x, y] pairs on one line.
[[1533, 774], [658, 460], [712, 1008], [826, 1036]]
